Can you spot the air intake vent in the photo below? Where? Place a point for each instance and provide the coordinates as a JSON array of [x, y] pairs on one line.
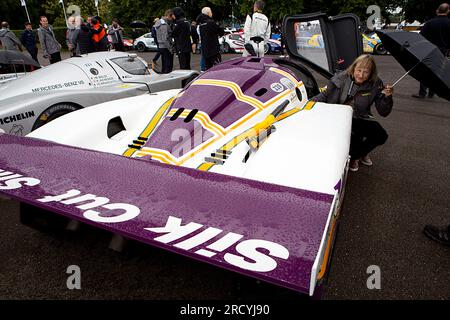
[[115, 125]]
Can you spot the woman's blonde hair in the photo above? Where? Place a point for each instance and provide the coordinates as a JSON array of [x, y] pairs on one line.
[[364, 60]]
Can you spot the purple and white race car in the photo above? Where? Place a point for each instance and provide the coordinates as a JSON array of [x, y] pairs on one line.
[[239, 169]]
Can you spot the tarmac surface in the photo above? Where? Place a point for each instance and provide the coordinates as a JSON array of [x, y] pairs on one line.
[[386, 207]]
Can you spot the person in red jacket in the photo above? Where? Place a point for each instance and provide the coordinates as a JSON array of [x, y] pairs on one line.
[[99, 35]]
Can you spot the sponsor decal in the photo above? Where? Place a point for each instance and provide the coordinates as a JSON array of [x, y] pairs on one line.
[[256, 255], [58, 86], [277, 87], [17, 130], [287, 83], [94, 71], [103, 80], [17, 117]]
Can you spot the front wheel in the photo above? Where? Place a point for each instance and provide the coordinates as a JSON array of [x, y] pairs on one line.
[[226, 48], [52, 113], [140, 47], [266, 49]]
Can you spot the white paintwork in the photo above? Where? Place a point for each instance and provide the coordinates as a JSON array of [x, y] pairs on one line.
[[308, 151], [148, 40]]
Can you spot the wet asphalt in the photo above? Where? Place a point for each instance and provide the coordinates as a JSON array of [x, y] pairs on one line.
[[385, 209]]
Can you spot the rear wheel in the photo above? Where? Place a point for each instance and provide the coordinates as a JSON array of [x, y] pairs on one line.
[[380, 49], [140, 47], [53, 113]]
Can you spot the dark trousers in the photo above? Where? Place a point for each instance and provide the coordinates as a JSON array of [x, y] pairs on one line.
[[185, 60], [366, 136], [118, 46], [55, 57], [33, 53], [167, 60], [158, 54], [423, 91], [211, 61]]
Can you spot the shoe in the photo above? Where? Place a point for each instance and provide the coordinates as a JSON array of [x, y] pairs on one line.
[[418, 96], [439, 234], [366, 161], [354, 165]]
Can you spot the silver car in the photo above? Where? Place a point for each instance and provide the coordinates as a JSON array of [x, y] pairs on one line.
[[46, 94], [145, 42]]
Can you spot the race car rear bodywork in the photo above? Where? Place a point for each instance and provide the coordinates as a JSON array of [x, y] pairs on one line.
[[271, 232]]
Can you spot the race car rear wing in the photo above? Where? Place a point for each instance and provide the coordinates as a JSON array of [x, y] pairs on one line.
[[269, 232]]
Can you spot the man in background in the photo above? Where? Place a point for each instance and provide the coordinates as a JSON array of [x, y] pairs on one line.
[[437, 31], [257, 25], [116, 33], [28, 40], [8, 39], [71, 30], [165, 41], [209, 35], [182, 35], [49, 44]]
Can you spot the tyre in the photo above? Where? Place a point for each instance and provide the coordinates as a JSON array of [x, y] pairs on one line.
[[54, 112], [140, 47], [379, 49], [226, 48], [266, 49]]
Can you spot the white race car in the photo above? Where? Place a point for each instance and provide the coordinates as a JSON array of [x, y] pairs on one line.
[[240, 169], [43, 95], [233, 42]]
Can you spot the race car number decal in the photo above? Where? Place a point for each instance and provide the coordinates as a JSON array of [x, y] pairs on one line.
[[277, 87], [250, 254]]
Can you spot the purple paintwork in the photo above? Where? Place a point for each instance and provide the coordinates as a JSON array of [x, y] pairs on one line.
[[218, 102], [292, 218]]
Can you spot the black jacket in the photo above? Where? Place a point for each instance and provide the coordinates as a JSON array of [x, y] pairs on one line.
[[437, 31], [28, 39], [209, 35], [83, 40], [194, 34], [182, 35], [367, 94]]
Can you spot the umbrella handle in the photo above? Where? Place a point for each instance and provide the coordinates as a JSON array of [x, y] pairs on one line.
[[405, 75]]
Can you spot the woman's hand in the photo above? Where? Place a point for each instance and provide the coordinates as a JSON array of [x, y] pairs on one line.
[[388, 90]]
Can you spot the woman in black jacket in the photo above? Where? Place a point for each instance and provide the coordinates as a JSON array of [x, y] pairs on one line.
[[360, 87]]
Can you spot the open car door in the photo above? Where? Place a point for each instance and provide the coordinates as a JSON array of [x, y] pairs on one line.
[[325, 44]]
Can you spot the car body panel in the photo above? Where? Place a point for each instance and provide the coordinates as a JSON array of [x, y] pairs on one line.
[[147, 40], [81, 82]]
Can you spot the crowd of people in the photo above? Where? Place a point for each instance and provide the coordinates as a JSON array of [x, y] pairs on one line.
[[174, 34], [81, 38]]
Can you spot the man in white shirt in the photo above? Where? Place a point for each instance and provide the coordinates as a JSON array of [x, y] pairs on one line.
[[257, 25]]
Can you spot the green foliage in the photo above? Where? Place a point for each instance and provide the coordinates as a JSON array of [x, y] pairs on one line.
[[147, 10]]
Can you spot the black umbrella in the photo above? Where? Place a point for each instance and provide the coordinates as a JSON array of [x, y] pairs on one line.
[[138, 24], [10, 57], [422, 59]]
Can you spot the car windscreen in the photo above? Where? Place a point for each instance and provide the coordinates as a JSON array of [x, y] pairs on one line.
[[310, 44], [132, 66]]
